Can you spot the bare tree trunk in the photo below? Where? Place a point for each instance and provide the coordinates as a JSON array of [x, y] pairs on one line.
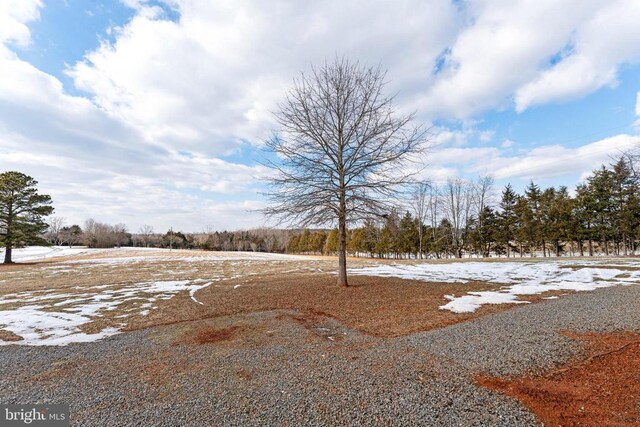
[[624, 244], [9, 238], [7, 255], [342, 243]]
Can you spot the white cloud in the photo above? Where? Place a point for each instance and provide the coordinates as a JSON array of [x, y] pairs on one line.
[[14, 17], [500, 50], [507, 143], [555, 160], [214, 76], [169, 100], [96, 165], [536, 163], [600, 46]]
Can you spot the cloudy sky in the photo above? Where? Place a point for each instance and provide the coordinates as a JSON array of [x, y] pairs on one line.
[[154, 112]]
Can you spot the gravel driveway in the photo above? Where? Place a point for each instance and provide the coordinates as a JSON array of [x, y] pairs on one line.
[[279, 368]]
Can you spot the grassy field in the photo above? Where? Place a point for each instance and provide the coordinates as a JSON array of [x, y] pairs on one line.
[[236, 303], [97, 293]]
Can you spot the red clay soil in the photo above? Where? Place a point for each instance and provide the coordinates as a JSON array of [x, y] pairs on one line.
[[601, 390]]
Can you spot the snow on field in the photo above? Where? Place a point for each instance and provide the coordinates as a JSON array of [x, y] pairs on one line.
[[185, 256], [56, 318], [520, 278], [133, 255], [32, 253], [57, 315]]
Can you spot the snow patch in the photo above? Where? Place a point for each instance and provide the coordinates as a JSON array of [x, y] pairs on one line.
[[519, 278], [32, 253], [55, 319]]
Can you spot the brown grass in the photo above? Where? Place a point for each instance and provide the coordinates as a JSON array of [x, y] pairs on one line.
[[601, 389], [373, 305], [376, 306], [9, 336]]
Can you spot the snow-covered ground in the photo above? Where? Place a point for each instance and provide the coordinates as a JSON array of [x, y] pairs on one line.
[[127, 255], [33, 253], [520, 278], [87, 285], [56, 318]]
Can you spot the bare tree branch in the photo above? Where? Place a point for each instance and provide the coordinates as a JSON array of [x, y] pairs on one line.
[[342, 150]]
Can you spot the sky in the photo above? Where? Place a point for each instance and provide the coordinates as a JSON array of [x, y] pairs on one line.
[[156, 112]]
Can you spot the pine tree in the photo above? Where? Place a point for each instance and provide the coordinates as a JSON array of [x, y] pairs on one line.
[[409, 235], [508, 219], [331, 245], [558, 217], [22, 212], [390, 234], [483, 232], [584, 212], [532, 220], [524, 232], [601, 188], [625, 204]]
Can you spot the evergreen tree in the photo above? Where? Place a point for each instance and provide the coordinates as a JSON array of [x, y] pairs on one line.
[[409, 235], [331, 245], [557, 218], [507, 219], [584, 213], [388, 243], [625, 204], [487, 233], [524, 232], [601, 188], [22, 212], [293, 247], [532, 222]]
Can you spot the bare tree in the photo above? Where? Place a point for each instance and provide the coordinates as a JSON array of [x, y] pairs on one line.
[[121, 235], [145, 232], [56, 223], [434, 203], [457, 205], [71, 235], [482, 193], [100, 235], [342, 151], [420, 203]]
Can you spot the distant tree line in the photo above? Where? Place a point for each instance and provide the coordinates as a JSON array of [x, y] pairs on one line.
[[455, 219], [462, 218], [95, 234]]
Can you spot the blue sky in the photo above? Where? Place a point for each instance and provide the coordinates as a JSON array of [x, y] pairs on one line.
[[154, 112]]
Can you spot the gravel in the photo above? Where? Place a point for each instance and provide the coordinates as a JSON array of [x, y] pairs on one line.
[[279, 369], [529, 339]]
